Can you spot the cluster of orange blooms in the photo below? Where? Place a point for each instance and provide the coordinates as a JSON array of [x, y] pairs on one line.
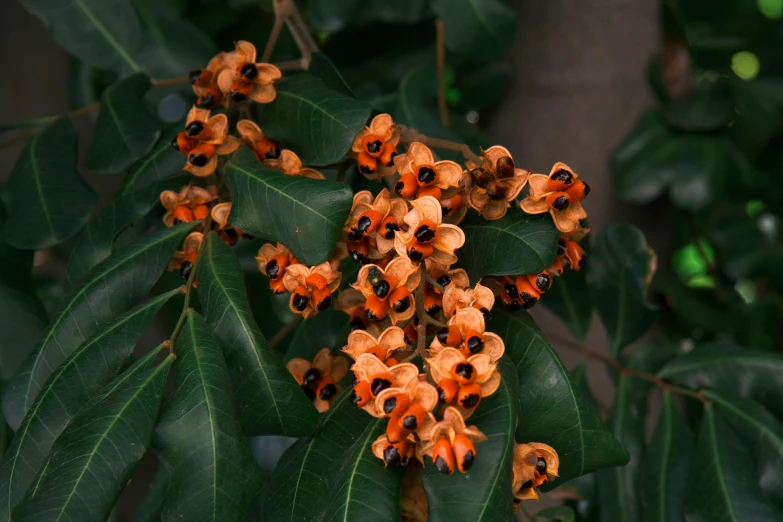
[[406, 238]]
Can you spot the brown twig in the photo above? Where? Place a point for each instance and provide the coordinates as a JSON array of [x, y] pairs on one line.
[[287, 13], [440, 68], [422, 315], [409, 135]]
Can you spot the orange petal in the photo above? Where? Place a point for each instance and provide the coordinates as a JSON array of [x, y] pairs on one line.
[[448, 174], [450, 238], [204, 171], [267, 73], [429, 208], [339, 368], [493, 346], [392, 339], [220, 213], [382, 125], [298, 367], [531, 206], [516, 184], [295, 275], [538, 184], [562, 222], [359, 341], [250, 131], [225, 80], [323, 361], [493, 154], [420, 154], [230, 144], [247, 50], [469, 319], [491, 385], [263, 93]]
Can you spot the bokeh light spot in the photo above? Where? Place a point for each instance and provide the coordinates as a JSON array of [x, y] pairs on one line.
[[745, 64], [772, 9]]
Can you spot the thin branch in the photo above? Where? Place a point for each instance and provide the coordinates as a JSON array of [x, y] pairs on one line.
[[440, 67], [168, 82], [287, 13], [409, 135], [285, 330]]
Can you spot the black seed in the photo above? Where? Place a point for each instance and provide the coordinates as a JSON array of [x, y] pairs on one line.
[[324, 303], [366, 169], [356, 323], [328, 391], [391, 456], [415, 255], [513, 305], [309, 392], [175, 143], [354, 235], [560, 203], [401, 305], [434, 309], [405, 462], [586, 189], [206, 101], [543, 281], [391, 159], [237, 96], [424, 234], [443, 280], [409, 423], [541, 466], [487, 315], [272, 269], [300, 302], [464, 370], [355, 398], [443, 335], [391, 228], [194, 128], [249, 71], [467, 460], [379, 384], [185, 269], [561, 247], [441, 466], [582, 261], [527, 485], [479, 177], [381, 290], [504, 167], [358, 257], [363, 224], [441, 395], [273, 153], [470, 400], [354, 381], [389, 405], [562, 175], [426, 175], [177, 221], [311, 377], [369, 314], [475, 344], [496, 191], [230, 233], [199, 160], [374, 146], [528, 301], [511, 290], [193, 75], [398, 187]]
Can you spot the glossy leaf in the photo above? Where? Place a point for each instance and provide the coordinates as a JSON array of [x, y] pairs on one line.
[[620, 269], [553, 409], [733, 370], [267, 399], [213, 474], [761, 432], [125, 130], [328, 329], [569, 300], [318, 123], [480, 30], [722, 483], [516, 244], [666, 467], [299, 489], [483, 494], [91, 367], [150, 507], [96, 455], [322, 67], [314, 210], [46, 198], [162, 163], [704, 109], [109, 290]]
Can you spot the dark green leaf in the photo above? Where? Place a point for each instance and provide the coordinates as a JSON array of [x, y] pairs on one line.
[[328, 329], [125, 130], [758, 119], [319, 124], [569, 299], [109, 290], [299, 488], [96, 455], [267, 399], [553, 409], [162, 163], [150, 508], [515, 244], [731, 369], [618, 273], [483, 494], [703, 109], [91, 367], [761, 432], [561, 513], [666, 467], [213, 474], [479, 30], [305, 214], [723, 484], [331, 16], [47, 199], [322, 67]]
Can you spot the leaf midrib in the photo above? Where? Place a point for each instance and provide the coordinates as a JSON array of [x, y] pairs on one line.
[[283, 92], [38, 186], [369, 430], [713, 442], [667, 405], [107, 35], [483, 21], [487, 226], [763, 430]]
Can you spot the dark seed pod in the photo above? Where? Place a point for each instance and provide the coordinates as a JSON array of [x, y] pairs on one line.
[[249, 71], [391, 457], [560, 203], [185, 269], [300, 302], [513, 305], [443, 280], [496, 191], [374, 147], [543, 281], [272, 269], [402, 305], [194, 128], [541, 466], [424, 234], [367, 169], [354, 235], [311, 377], [391, 160], [475, 344], [415, 255], [378, 385], [198, 160], [443, 335], [470, 401], [273, 153], [409, 423], [194, 75], [309, 392], [391, 228], [464, 370], [389, 405], [237, 96], [327, 392], [381, 290], [479, 177], [442, 466], [426, 175], [324, 303], [528, 301], [486, 313], [511, 290], [504, 167], [206, 101], [364, 224], [562, 175]]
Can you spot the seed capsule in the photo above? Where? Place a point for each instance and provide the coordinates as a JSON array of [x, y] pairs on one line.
[[311, 377], [194, 128], [396, 405], [400, 300], [558, 200], [388, 227], [394, 431], [433, 191], [322, 299], [425, 176], [541, 466], [361, 394], [327, 391], [309, 392], [449, 336], [469, 395], [425, 233], [475, 343], [379, 384], [559, 180], [504, 168], [406, 187], [300, 298], [479, 177], [447, 390], [249, 71], [578, 190], [375, 308], [464, 451], [413, 417], [369, 222], [367, 163], [443, 457], [418, 251], [496, 191], [462, 372], [391, 457], [388, 152]]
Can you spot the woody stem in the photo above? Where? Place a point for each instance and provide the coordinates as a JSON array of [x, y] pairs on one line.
[[625, 370], [409, 135], [422, 315], [286, 13]]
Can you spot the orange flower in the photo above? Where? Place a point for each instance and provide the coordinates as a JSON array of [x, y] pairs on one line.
[[389, 290], [398, 454], [427, 237], [375, 147], [383, 347], [243, 78], [560, 194], [187, 205], [319, 379], [184, 259], [289, 163], [466, 332], [273, 261], [418, 169], [263, 147], [534, 464], [372, 377], [466, 379], [377, 218], [456, 297], [205, 83], [450, 442], [408, 408], [229, 233], [204, 139], [495, 185], [311, 288], [524, 291]]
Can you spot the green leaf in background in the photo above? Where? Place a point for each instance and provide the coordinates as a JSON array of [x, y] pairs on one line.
[[110, 289], [551, 409], [91, 367], [515, 244], [483, 494], [327, 329], [722, 483], [150, 508], [299, 489], [103, 33], [162, 163], [557, 513], [315, 209], [666, 467], [569, 299], [733, 370], [758, 119], [46, 197], [125, 130], [96, 455], [704, 109], [619, 270], [213, 474], [322, 67], [317, 123], [267, 399], [479, 30], [761, 432], [331, 16]]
